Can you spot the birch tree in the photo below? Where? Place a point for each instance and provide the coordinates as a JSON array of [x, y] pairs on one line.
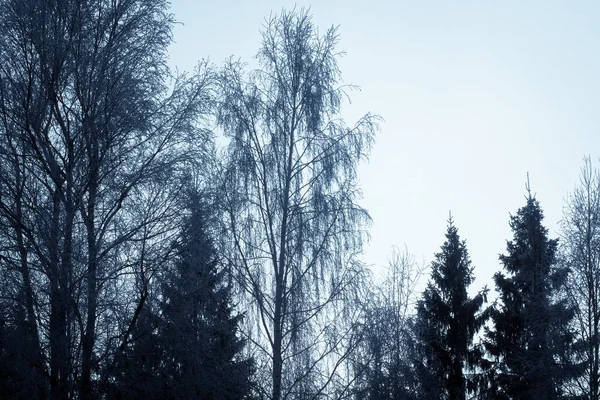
[[580, 252], [94, 136], [290, 196], [384, 364]]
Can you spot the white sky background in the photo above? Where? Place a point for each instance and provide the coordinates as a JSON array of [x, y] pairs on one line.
[[473, 96]]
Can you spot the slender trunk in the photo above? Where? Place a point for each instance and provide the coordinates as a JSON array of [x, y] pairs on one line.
[[280, 277], [592, 304], [92, 298], [63, 274], [58, 330], [277, 339], [31, 328], [67, 303], [593, 343]]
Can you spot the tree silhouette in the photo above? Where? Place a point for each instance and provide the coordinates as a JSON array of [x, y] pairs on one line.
[[530, 340], [447, 321], [293, 225], [580, 253], [202, 353], [187, 346]]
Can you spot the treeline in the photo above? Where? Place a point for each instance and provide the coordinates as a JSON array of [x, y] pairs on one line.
[[532, 342], [140, 261]]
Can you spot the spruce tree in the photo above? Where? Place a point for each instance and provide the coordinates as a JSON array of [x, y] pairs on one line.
[[138, 373], [202, 350], [530, 338], [447, 321]]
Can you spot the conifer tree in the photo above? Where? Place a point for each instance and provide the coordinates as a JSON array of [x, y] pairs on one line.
[[530, 339], [139, 373], [186, 345], [202, 350], [447, 321]]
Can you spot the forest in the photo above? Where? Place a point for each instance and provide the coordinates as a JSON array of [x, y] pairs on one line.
[[198, 235]]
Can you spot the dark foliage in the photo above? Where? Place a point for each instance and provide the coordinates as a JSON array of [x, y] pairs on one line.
[[190, 349], [530, 338], [447, 321]]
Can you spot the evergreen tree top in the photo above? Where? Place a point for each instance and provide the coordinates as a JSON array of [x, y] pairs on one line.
[[530, 246], [447, 322], [451, 270]]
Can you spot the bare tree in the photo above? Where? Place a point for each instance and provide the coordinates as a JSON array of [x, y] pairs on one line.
[[580, 248], [383, 364], [94, 137], [290, 196]]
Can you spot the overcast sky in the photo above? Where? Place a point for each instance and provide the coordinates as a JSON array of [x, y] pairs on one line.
[[474, 95]]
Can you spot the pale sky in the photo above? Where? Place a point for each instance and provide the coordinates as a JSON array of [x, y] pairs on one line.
[[474, 95]]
